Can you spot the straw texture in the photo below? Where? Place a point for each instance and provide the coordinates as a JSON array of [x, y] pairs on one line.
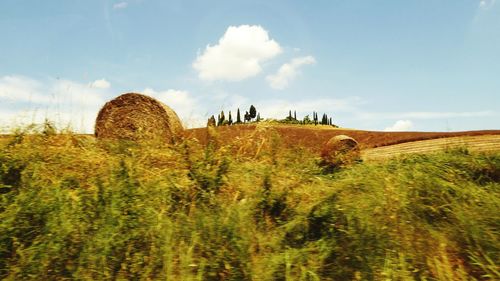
[[340, 150], [137, 117]]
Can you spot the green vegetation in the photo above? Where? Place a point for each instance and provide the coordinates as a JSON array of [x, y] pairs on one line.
[[75, 208]]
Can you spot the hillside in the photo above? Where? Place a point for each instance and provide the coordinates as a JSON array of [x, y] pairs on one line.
[[313, 137], [72, 207]]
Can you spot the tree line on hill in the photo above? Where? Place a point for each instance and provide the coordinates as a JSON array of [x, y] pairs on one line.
[[222, 121], [253, 116], [325, 120]]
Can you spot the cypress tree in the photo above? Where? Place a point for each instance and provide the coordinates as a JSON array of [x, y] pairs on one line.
[[230, 119], [253, 112], [238, 117], [295, 115], [222, 118]]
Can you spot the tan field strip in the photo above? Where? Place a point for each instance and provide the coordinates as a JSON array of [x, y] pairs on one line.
[[473, 143]]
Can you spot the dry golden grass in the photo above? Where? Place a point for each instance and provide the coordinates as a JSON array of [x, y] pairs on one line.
[[340, 150], [251, 208], [484, 143]]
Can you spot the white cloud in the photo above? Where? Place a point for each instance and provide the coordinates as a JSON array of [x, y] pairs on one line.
[[238, 54], [100, 84], [24, 100], [120, 5], [186, 107], [288, 72], [400, 125], [66, 92], [21, 89]]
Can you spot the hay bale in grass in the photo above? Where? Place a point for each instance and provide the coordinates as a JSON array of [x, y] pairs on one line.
[[137, 117], [339, 151]]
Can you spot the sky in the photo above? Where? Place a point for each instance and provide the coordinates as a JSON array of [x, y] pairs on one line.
[[418, 65]]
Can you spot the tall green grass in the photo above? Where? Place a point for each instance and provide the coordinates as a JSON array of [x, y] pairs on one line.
[[75, 208]]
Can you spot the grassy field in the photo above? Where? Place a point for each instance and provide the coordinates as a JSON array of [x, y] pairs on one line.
[[75, 208]]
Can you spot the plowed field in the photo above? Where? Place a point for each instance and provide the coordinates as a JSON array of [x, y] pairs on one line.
[[313, 137]]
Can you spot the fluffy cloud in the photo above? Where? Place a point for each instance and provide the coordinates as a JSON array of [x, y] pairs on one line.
[[288, 72], [24, 100], [186, 107], [21, 89], [66, 92], [400, 125], [238, 54], [120, 5], [100, 84]]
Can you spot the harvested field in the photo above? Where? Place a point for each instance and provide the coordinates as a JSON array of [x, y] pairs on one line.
[[374, 144], [473, 143], [313, 137]]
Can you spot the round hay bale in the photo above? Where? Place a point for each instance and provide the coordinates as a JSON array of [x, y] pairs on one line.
[[137, 117], [340, 150]]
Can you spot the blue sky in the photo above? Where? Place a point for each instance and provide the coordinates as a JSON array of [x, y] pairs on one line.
[[426, 65]]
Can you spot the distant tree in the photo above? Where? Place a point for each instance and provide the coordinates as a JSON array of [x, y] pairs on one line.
[[253, 112], [238, 117], [247, 117], [290, 115], [222, 117], [306, 120], [258, 117], [211, 122], [331, 123], [230, 119], [295, 115]]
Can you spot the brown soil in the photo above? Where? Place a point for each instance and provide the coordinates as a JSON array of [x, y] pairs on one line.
[[314, 137]]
